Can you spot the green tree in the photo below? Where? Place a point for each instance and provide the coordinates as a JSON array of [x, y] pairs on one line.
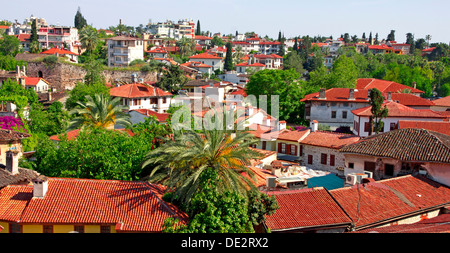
[[217, 41], [9, 45], [49, 121], [34, 34], [186, 46], [172, 79], [89, 38], [190, 153], [282, 83], [391, 36], [94, 71], [94, 154], [198, 30], [99, 111], [293, 61], [344, 73], [79, 21], [376, 100], [411, 42], [229, 58]]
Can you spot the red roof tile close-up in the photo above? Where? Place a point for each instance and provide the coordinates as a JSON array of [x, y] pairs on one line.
[[138, 90]]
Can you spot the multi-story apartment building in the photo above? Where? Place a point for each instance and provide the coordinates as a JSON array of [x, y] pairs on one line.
[[170, 29], [184, 28], [58, 36], [124, 49]]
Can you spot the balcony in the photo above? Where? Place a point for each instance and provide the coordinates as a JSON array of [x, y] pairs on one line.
[[120, 53]]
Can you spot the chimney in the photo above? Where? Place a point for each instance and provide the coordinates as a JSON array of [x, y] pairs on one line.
[[414, 85], [18, 71], [50, 96], [314, 125], [322, 93], [389, 96], [40, 186], [24, 70], [281, 125], [351, 94], [12, 161]]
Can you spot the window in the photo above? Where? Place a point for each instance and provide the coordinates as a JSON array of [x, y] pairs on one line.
[[164, 100], [323, 158], [366, 127], [15, 228], [153, 100], [310, 159], [344, 114], [301, 150], [105, 229], [79, 228], [332, 159], [333, 114], [351, 165], [264, 143], [293, 149], [283, 148], [389, 170], [47, 229], [393, 126]]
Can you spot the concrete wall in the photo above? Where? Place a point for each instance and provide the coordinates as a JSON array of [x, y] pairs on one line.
[[321, 111]]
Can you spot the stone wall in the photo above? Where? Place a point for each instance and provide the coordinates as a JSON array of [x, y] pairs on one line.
[[64, 76]]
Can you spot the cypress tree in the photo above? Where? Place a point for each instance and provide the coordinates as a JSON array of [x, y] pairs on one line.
[[34, 36], [80, 21], [229, 58], [370, 38], [198, 31], [295, 48]]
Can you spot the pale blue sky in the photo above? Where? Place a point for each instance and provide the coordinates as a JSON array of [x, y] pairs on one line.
[[322, 17]]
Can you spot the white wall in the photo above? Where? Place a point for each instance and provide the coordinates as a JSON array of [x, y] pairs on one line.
[[321, 111]]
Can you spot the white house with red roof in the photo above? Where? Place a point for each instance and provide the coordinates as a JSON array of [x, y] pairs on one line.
[[38, 84], [139, 115], [396, 112], [202, 40], [269, 47], [157, 52], [333, 107], [213, 60], [73, 57], [204, 68], [143, 96]]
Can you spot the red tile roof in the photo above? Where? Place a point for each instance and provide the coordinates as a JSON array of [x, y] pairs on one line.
[[161, 117], [138, 90], [33, 81], [410, 99], [194, 64], [205, 56], [24, 37], [303, 209], [445, 101], [56, 50], [379, 201], [436, 126], [329, 139], [296, 135], [438, 224], [200, 37], [131, 206], [399, 110], [338, 95], [383, 85], [245, 64]]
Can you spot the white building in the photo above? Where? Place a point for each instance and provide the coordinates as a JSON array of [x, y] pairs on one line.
[[58, 36], [123, 49], [212, 60], [396, 113], [143, 96]]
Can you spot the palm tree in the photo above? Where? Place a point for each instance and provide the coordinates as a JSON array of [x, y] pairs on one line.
[[186, 46], [89, 38], [428, 38], [99, 111], [181, 160]]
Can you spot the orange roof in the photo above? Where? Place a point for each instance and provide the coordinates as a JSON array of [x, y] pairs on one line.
[[245, 64], [195, 64], [161, 117], [410, 99], [445, 101], [205, 56], [289, 135], [381, 200], [436, 126], [33, 81], [305, 208], [56, 50], [23, 37], [338, 95], [399, 110], [383, 85], [158, 50], [130, 205], [138, 90], [329, 139], [201, 37]]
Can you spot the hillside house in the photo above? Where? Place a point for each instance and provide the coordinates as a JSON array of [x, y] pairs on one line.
[[124, 49], [212, 60], [143, 96]]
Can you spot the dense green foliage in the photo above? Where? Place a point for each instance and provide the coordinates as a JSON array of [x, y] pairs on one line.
[[81, 90]]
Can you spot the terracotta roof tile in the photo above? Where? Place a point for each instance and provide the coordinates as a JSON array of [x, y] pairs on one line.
[[136, 205], [304, 209], [329, 139], [205, 56], [24, 176], [377, 201], [436, 126], [383, 85], [161, 117], [399, 110], [445, 101], [138, 90], [56, 50]]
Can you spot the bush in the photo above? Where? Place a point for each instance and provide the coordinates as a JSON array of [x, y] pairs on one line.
[[51, 59], [146, 68]]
